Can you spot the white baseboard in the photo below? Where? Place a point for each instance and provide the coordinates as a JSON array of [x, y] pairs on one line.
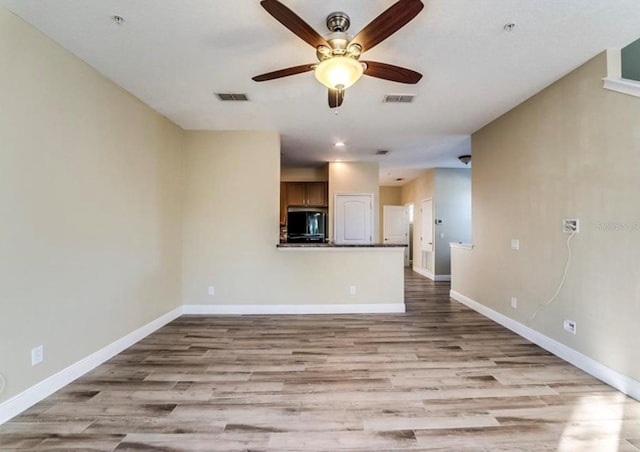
[[612, 377], [427, 274], [45, 388], [424, 272], [287, 309]]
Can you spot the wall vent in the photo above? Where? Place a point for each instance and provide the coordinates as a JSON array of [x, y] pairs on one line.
[[398, 98], [232, 97]]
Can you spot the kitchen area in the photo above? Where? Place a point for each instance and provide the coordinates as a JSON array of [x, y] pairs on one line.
[[332, 205], [304, 212]]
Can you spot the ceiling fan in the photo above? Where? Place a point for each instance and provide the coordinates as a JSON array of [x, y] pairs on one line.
[[339, 53]]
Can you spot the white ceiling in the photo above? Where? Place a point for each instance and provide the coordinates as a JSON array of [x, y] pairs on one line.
[[175, 54]]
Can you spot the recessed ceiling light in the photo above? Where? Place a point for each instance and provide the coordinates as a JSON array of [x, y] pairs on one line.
[[338, 160], [339, 144], [118, 19]]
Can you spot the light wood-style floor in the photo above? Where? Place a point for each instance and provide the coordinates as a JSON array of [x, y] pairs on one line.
[[439, 377]]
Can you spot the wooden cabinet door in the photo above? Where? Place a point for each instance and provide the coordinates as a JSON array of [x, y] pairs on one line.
[[317, 194], [296, 194]]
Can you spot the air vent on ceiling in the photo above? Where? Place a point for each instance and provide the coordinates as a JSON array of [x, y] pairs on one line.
[[382, 152], [398, 98], [399, 179], [232, 96]]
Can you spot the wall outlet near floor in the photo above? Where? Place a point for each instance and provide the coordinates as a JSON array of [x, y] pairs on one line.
[[352, 290], [211, 290], [515, 244], [37, 355], [571, 226], [514, 303], [570, 326]]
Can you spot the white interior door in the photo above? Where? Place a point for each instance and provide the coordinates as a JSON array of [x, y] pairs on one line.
[[395, 225], [426, 227], [353, 219]]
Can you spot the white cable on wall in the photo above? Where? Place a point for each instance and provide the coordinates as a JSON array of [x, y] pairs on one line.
[[562, 281]]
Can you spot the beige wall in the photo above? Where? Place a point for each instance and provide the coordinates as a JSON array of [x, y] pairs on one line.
[[317, 174], [572, 151], [90, 204], [389, 196], [415, 191], [357, 178], [230, 232]]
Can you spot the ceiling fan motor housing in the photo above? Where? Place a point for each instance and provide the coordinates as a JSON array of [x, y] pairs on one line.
[[338, 21]]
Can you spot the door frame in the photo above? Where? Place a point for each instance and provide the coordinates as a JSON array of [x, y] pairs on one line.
[[408, 259], [422, 201]]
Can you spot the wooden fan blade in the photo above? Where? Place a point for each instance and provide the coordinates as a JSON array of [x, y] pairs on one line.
[[294, 23], [283, 73], [335, 97], [391, 72], [387, 23]]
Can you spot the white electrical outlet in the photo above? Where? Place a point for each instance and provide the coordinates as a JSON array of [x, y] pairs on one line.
[[37, 355], [352, 290], [570, 326], [571, 226], [211, 290], [514, 303], [515, 244]]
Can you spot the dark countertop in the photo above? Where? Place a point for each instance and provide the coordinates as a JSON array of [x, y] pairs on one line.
[[333, 245]]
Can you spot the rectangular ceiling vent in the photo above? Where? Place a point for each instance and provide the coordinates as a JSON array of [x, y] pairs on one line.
[[382, 152], [398, 98], [232, 97]]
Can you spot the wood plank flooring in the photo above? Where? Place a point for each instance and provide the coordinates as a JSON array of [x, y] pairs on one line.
[[440, 377]]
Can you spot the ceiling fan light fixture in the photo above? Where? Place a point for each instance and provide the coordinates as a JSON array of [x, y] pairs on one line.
[[339, 72]]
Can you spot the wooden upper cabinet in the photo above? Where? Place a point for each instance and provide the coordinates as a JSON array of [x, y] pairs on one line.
[[296, 193], [312, 194], [317, 194]]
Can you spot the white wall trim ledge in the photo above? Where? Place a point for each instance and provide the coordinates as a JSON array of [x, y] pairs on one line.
[[612, 377], [460, 245], [614, 81], [622, 85], [293, 309], [26, 399]]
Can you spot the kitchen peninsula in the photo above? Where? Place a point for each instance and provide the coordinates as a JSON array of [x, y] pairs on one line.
[[348, 278], [333, 246]]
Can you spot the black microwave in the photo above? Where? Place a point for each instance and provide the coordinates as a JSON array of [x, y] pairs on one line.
[[306, 225]]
